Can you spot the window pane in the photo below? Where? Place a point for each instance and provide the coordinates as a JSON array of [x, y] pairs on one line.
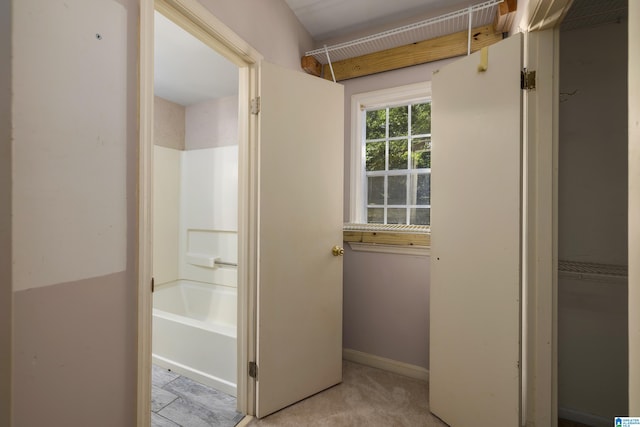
[[420, 153], [421, 118], [420, 216], [376, 124], [396, 216], [397, 190], [375, 216], [398, 121], [398, 154], [375, 190], [397, 146], [420, 189], [375, 156]]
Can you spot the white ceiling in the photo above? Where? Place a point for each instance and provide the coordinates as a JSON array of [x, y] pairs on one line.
[[327, 19], [591, 13], [186, 70]]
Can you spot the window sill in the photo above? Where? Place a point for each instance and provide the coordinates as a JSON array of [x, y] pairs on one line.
[[405, 240]]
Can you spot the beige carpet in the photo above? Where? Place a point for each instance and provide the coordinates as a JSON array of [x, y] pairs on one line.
[[366, 397]]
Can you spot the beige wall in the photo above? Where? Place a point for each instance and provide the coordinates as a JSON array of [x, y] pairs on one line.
[[592, 220], [168, 123], [634, 208], [71, 129], [269, 26], [5, 212], [74, 210], [212, 123], [386, 305], [75, 353], [75, 200]]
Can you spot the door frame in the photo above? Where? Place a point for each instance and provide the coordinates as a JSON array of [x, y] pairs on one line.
[[545, 15], [540, 241], [196, 19], [540, 15], [540, 22]]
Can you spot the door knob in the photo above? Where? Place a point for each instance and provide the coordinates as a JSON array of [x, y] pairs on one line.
[[337, 251]]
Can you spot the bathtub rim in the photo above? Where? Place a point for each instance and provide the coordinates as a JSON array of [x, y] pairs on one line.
[[218, 327]]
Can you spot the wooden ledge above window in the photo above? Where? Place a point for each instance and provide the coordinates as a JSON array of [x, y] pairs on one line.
[[431, 50], [403, 239], [355, 59]]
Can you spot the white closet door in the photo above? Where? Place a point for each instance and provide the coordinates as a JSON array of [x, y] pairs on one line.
[[301, 216], [476, 239]]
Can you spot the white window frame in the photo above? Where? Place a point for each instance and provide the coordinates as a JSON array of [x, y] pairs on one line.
[[372, 100]]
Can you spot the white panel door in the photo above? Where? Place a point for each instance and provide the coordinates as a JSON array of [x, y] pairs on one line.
[[476, 239], [299, 348]]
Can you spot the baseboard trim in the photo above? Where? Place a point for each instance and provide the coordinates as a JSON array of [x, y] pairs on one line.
[[401, 368], [245, 421], [584, 418]]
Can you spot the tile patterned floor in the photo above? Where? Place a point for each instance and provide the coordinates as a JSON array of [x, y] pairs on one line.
[[182, 402]]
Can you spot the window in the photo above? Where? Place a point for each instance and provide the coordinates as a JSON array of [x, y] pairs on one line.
[[391, 156]]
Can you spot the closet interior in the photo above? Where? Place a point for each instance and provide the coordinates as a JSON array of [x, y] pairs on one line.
[[592, 213]]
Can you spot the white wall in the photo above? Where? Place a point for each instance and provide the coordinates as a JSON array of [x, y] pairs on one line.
[[209, 214], [195, 214], [167, 173], [592, 314], [209, 191], [634, 207]]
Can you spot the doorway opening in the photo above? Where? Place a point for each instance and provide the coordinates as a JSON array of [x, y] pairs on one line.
[[299, 321], [195, 230], [592, 213], [195, 193]]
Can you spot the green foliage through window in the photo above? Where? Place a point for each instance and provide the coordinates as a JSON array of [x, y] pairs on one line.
[[398, 164]]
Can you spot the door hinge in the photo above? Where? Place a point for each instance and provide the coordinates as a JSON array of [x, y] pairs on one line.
[[153, 285], [253, 370], [255, 105], [527, 80]]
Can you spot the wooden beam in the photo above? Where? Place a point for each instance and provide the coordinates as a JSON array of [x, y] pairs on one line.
[[388, 238], [311, 65], [504, 15], [413, 54]]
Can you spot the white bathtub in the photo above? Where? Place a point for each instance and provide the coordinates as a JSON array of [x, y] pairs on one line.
[[194, 332]]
